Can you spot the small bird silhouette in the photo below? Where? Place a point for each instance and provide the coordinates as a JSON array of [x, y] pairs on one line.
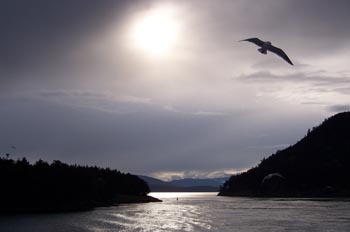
[[13, 147], [267, 46]]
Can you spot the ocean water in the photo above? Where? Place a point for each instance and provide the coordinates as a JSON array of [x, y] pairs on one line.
[[195, 212]]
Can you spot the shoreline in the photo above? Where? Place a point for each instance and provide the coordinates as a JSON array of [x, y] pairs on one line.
[[120, 199]]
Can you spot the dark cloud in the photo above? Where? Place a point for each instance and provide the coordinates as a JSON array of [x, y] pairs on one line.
[[269, 77], [276, 64], [314, 103], [29, 28], [303, 29], [319, 19], [36, 36], [310, 25]]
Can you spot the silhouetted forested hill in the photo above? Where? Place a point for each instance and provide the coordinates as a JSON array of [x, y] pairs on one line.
[[317, 166], [43, 187]]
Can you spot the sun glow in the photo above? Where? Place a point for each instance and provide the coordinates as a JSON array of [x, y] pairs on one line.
[[156, 32]]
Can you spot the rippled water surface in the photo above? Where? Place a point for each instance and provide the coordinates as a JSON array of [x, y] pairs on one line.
[[196, 212]]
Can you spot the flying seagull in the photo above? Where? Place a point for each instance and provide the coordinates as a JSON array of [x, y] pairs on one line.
[[267, 46]]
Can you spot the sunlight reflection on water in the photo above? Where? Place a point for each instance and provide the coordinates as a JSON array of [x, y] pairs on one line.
[[173, 214], [195, 212], [175, 195]]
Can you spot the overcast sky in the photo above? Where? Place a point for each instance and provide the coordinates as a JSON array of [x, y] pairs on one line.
[[80, 83]]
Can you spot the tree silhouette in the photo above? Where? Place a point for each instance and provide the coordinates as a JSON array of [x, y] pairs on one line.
[[316, 166], [61, 187]]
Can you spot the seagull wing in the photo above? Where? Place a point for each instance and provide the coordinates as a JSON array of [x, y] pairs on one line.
[[254, 41], [280, 53]]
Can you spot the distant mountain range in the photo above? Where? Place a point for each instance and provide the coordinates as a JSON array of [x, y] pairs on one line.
[[184, 185], [316, 166]]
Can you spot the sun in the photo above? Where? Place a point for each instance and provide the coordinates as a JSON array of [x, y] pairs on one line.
[[156, 32]]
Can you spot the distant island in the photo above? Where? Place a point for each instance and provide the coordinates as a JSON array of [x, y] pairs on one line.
[[185, 185], [316, 166], [59, 187]]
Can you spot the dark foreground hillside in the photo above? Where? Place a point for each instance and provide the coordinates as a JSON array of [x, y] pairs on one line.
[[317, 166], [57, 187]]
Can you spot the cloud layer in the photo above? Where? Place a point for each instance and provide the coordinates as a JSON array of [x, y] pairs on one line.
[[73, 89]]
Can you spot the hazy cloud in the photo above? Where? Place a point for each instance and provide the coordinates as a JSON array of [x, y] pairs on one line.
[[267, 76], [72, 89], [338, 108], [96, 100]]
